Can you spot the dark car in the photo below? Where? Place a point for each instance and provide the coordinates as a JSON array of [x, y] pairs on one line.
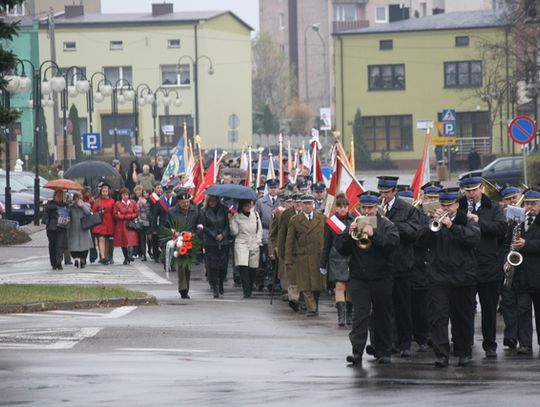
[[22, 208], [27, 179], [501, 171]]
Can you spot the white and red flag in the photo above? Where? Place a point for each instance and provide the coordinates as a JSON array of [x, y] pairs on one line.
[[336, 224], [422, 175]]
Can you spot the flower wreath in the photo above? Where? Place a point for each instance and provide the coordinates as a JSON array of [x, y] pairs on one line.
[[181, 247]]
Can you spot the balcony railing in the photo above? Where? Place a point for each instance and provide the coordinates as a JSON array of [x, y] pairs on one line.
[[338, 26]]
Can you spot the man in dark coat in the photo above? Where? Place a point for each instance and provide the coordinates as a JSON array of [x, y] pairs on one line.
[[492, 222], [452, 278], [407, 220], [527, 278], [158, 216], [186, 215], [370, 280]]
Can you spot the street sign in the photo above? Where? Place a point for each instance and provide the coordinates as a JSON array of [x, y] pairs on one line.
[[91, 141], [423, 125], [449, 122], [522, 129], [121, 132], [234, 121], [136, 149], [443, 141], [326, 118]]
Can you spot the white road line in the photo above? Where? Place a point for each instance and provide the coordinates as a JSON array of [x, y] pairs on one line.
[[114, 314], [119, 312], [163, 350], [145, 271], [52, 338], [26, 259]]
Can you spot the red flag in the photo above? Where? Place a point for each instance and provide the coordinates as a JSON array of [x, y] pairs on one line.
[[349, 185], [337, 225], [421, 176], [197, 177], [208, 181]]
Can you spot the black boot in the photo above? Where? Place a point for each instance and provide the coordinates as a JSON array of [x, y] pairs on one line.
[[221, 290], [215, 290], [341, 312], [126, 256], [247, 284], [349, 313], [130, 254]]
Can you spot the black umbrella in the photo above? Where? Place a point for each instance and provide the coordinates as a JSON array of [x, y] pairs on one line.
[[232, 191], [92, 172]]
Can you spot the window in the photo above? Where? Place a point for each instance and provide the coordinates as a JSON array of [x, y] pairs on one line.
[[462, 41], [116, 73], [345, 12], [386, 77], [175, 75], [386, 44], [75, 74], [15, 10], [70, 46], [462, 74], [381, 14], [174, 43], [281, 21], [388, 133], [116, 45]]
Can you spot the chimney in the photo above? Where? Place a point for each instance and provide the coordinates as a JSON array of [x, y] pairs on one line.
[[74, 11], [159, 9]]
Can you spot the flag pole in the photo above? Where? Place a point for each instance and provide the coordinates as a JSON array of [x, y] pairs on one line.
[[280, 163], [258, 180], [249, 174], [289, 160], [186, 149], [198, 143], [353, 161]]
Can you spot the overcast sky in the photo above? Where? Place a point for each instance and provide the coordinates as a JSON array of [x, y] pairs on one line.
[[247, 10]]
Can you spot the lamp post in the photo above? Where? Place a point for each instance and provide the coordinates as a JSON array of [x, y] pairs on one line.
[[326, 98], [103, 88], [314, 27], [152, 98], [195, 62], [138, 102], [125, 96]]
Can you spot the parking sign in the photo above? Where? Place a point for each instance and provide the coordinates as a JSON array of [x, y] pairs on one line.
[[91, 141]]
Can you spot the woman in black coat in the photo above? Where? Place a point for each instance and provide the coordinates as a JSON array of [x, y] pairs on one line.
[[131, 175], [215, 219], [57, 220]]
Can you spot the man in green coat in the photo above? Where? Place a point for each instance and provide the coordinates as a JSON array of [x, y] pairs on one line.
[[303, 247]]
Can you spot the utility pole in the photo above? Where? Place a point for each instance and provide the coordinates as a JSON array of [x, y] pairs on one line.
[[52, 40]]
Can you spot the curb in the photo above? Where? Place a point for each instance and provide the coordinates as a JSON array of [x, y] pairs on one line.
[[70, 305]]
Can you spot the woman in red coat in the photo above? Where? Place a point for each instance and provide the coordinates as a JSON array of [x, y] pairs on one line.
[[104, 205], [125, 209]]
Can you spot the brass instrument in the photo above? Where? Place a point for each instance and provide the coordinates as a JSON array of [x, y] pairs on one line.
[[513, 258], [363, 241], [383, 208], [470, 206], [436, 224]]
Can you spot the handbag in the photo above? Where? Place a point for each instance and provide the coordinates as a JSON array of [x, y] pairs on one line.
[[134, 224], [89, 221], [63, 219]]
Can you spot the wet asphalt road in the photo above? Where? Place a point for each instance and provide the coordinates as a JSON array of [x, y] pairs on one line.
[[230, 352]]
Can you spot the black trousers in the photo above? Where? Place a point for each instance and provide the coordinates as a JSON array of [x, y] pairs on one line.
[[217, 259], [401, 298], [509, 309], [247, 276], [56, 246], [141, 250], [488, 294], [368, 296], [419, 313], [456, 304], [525, 330]]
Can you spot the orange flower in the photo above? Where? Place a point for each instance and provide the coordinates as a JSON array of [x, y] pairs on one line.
[[182, 251], [188, 245], [186, 236]]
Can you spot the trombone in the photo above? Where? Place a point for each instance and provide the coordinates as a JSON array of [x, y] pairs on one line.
[[436, 224]]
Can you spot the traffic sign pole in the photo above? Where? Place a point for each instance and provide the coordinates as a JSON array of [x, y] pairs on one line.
[[523, 130]]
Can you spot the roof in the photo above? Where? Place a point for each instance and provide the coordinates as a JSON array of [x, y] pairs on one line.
[[112, 19], [444, 21]]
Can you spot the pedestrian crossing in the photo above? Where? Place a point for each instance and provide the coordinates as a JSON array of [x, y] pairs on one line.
[[45, 338], [99, 314]]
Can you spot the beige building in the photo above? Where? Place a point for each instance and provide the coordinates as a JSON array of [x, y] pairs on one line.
[[40, 8], [187, 55]]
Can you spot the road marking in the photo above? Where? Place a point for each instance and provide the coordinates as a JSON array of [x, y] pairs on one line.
[[24, 260], [163, 350], [145, 271], [45, 339], [119, 312], [114, 314]]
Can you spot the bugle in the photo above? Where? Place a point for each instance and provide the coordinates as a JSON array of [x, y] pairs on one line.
[[436, 224], [363, 241]]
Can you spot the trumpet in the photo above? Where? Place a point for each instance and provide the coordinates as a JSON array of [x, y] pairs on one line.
[[363, 241], [436, 224], [383, 208]]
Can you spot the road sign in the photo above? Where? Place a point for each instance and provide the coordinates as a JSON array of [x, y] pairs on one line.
[[449, 122], [326, 118], [91, 141], [423, 125], [522, 129], [232, 136], [443, 141], [234, 121], [121, 132]]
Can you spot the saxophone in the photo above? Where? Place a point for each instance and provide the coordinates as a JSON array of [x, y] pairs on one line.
[[513, 258]]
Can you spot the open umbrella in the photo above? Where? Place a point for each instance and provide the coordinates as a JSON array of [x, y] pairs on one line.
[[90, 169], [232, 191], [63, 184]]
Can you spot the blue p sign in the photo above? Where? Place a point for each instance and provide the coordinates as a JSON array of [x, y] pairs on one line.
[[91, 141], [449, 129]]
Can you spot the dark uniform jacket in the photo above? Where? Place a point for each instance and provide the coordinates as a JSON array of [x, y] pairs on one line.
[[374, 263], [419, 278], [451, 259], [407, 220], [158, 215], [215, 222], [493, 227], [188, 220], [282, 230], [527, 277]]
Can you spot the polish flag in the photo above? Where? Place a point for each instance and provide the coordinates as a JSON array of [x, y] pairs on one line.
[[154, 197], [208, 181], [348, 185], [422, 174], [336, 225]]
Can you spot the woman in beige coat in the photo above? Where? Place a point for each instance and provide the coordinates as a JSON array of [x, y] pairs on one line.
[[247, 228]]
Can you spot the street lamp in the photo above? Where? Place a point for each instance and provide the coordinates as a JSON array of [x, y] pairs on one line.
[[96, 94], [138, 102], [314, 27], [326, 98], [127, 95], [195, 62], [151, 98]]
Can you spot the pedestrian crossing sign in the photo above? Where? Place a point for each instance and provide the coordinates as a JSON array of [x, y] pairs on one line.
[[449, 115]]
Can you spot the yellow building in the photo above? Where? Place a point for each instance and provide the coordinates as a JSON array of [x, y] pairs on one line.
[[159, 49], [401, 74]]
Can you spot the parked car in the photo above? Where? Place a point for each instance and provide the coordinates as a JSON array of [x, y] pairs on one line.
[[22, 208], [20, 189], [27, 179], [502, 171]]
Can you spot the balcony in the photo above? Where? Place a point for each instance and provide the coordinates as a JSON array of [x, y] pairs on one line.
[[338, 26]]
